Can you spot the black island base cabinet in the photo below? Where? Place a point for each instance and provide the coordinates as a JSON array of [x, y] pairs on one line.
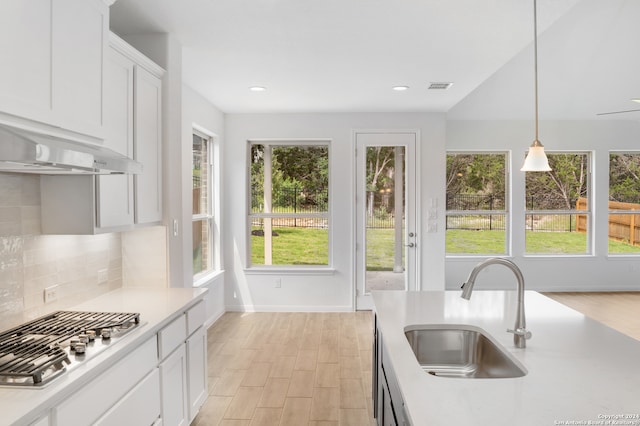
[[388, 405]]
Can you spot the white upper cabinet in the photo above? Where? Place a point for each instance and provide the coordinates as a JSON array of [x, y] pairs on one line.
[[115, 193], [51, 74], [134, 123], [132, 126], [148, 147]]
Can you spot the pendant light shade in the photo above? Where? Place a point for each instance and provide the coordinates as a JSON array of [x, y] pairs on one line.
[[536, 160]]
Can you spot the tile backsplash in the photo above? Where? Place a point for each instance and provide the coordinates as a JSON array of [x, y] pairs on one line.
[[31, 262]]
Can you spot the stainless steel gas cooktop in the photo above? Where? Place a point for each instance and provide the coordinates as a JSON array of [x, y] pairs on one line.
[[35, 353]]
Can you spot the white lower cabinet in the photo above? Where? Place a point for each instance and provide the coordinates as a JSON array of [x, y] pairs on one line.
[[141, 406], [161, 382], [197, 371], [183, 373], [109, 389], [173, 384], [42, 422]]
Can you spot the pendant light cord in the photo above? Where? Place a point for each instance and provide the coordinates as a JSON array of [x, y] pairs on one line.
[[535, 61]]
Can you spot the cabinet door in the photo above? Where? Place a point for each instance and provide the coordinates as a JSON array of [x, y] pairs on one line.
[[148, 147], [115, 192], [388, 417], [197, 371], [25, 49], [79, 41], [42, 422], [103, 392], [173, 388], [141, 406]]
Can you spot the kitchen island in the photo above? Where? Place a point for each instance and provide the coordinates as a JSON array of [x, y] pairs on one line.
[[579, 371], [165, 322]]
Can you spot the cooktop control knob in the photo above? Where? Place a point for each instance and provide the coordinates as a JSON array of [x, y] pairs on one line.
[[80, 348]]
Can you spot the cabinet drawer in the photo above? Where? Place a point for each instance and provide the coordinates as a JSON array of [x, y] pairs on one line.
[[141, 406], [87, 405], [172, 336], [195, 317]]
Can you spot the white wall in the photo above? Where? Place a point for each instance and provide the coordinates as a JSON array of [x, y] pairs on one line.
[[552, 273], [334, 292], [199, 113]]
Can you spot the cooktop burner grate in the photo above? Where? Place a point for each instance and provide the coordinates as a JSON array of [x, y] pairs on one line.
[[36, 352]]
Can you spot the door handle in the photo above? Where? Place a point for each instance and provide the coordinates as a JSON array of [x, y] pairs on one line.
[[410, 245]]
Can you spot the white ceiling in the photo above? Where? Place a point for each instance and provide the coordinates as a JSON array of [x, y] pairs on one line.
[[345, 55]]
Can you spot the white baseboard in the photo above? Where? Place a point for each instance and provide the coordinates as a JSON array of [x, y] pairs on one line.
[[287, 308]]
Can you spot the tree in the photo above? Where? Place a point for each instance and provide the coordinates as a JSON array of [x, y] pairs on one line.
[[295, 170], [562, 186], [380, 171], [624, 178], [481, 175]]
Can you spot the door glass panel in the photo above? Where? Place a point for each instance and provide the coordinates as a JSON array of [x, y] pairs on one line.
[[385, 218]]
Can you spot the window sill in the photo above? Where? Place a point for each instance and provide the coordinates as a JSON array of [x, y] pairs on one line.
[[559, 256], [205, 279], [475, 256], [289, 271]]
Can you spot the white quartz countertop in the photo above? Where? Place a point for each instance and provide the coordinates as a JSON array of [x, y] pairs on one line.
[[579, 370], [157, 307]]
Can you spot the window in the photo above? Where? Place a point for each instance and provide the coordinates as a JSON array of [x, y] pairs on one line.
[[289, 207], [203, 208], [558, 208], [624, 201], [476, 216]]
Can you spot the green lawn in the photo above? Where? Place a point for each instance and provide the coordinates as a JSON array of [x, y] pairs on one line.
[[309, 246], [380, 246], [293, 246], [492, 242]]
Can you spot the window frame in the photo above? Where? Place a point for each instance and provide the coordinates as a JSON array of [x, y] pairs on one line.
[[588, 212], [209, 217], [611, 212], [328, 215], [507, 204]]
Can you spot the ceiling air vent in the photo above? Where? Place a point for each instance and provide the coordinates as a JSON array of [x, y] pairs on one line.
[[439, 86]]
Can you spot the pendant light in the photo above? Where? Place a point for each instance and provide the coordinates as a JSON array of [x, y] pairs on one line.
[[536, 160]]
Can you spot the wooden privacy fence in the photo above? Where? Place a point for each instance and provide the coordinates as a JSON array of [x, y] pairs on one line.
[[622, 227]]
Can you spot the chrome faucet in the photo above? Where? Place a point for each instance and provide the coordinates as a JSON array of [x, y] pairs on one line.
[[520, 332]]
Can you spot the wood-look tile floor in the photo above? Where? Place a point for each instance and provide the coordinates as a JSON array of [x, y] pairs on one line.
[[315, 368], [293, 369]]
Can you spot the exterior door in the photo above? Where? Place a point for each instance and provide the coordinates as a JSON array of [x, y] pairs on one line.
[[386, 249]]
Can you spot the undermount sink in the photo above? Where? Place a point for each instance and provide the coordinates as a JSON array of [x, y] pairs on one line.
[[460, 351]]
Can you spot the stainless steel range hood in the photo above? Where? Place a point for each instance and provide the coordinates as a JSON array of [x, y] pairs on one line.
[[27, 152]]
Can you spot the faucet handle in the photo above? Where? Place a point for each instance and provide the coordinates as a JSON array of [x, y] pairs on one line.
[[520, 332]]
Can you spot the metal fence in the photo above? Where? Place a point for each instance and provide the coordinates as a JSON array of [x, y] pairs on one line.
[[562, 222], [291, 200], [299, 200], [474, 202]]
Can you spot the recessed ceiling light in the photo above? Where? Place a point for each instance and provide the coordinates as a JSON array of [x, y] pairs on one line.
[[257, 88], [636, 100], [439, 86], [400, 88]]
